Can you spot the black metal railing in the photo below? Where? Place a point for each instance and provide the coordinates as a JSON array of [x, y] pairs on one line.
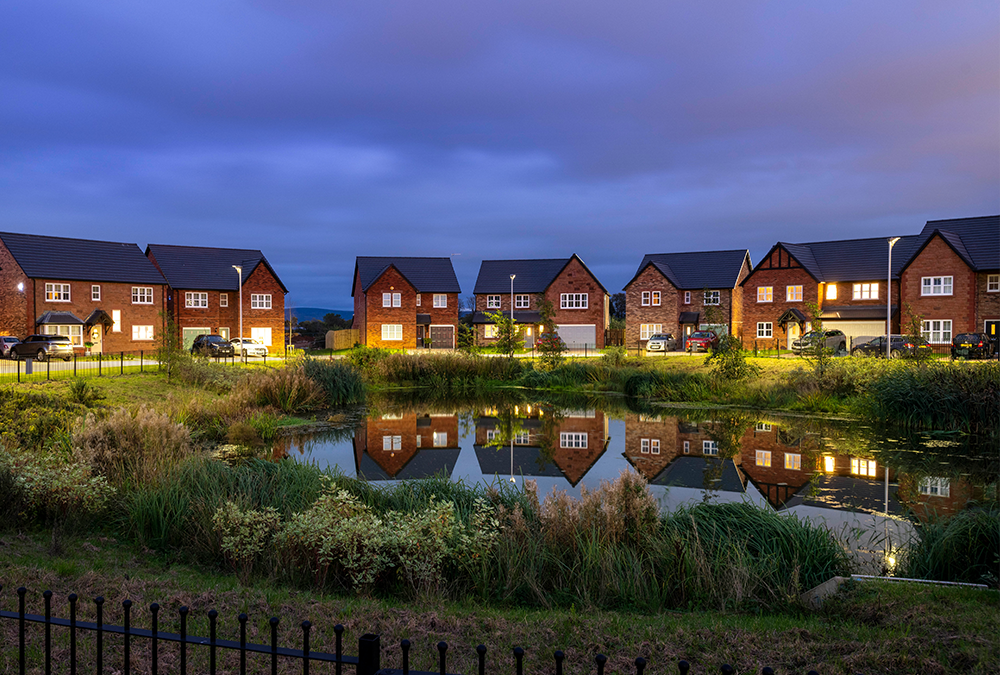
[[367, 662]]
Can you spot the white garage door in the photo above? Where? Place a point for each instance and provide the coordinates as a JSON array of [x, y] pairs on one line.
[[859, 331], [576, 336]]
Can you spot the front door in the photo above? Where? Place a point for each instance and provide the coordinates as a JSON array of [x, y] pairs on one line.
[[793, 333], [529, 338], [992, 328], [96, 333]]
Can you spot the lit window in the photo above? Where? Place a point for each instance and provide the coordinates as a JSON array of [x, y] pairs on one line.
[[260, 301], [865, 292], [392, 331], [116, 321], [492, 302], [142, 295], [261, 335], [936, 331], [74, 332], [712, 298], [829, 463], [572, 440], [762, 427], [197, 300], [224, 332], [56, 292], [522, 301], [763, 458], [793, 461], [935, 487], [793, 293], [440, 300], [647, 330], [573, 301], [646, 298], [418, 299], [656, 298], [142, 332], [440, 439], [710, 447], [95, 293], [993, 283], [863, 467], [490, 331], [223, 299], [765, 329], [831, 292], [654, 446], [765, 293], [687, 297], [935, 286]]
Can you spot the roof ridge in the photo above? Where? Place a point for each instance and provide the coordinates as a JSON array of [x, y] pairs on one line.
[[53, 236], [208, 248]]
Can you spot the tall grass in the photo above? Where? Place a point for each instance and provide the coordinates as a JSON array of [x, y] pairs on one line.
[[965, 548], [340, 380], [288, 389], [454, 371]]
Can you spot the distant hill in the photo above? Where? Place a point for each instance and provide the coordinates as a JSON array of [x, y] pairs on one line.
[[316, 313]]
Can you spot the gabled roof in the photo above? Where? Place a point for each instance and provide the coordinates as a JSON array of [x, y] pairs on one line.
[[44, 257], [533, 276], [697, 270], [974, 240], [207, 268], [847, 259], [427, 275]]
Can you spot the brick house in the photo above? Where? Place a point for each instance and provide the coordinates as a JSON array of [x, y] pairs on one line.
[[580, 301], [951, 280], [102, 292], [405, 303], [205, 293], [844, 279], [407, 445], [679, 293]]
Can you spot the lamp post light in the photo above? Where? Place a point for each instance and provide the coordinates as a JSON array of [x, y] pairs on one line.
[[888, 302], [512, 298], [239, 271]]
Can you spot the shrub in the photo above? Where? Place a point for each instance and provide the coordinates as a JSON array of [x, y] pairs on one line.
[[30, 420], [45, 486], [288, 389], [340, 380], [245, 535], [614, 357], [729, 362], [83, 392], [203, 373]]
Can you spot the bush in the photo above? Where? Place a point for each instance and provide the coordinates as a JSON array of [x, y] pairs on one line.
[[48, 487], [245, 535], [30, 421], [83, 392], [728, 361], [340, 380], [288, 389]]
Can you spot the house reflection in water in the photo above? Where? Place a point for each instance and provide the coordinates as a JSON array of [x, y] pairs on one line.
[[540, 441], [406, 445]]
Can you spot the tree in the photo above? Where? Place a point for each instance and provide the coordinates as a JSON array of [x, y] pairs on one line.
[[170, 350], [618, 306], [550, 345], [914, 329], [336, 322], [818, 349], [508, 337]]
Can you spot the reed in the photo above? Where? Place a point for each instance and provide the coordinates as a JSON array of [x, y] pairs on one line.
[[965, 547], [340, 380]]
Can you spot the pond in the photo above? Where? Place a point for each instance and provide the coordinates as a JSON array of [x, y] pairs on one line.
[[867, 485]]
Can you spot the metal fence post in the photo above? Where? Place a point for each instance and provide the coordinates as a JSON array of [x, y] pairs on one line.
[[142, 353], [122, 371], [127, 646], [72, 633], [369, 654], [20, 628], [48, 631], [48, 367], [99, 601], [74, 364]]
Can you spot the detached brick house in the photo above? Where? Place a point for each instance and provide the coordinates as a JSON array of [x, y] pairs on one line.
[[580, 301], [405, 303], [952, 278], [204, 294], [845, 279], [679, 293], [406, 445], [103, 292]]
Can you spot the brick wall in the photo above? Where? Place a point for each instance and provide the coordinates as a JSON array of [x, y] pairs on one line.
[[413, 438], [938, 259], [736, 300], [650, 279], [637, 428], [440, 316], [987, 304], [575, 462], [13, 303], [779, 279], [376, 315], [360, 316], [575, 279]]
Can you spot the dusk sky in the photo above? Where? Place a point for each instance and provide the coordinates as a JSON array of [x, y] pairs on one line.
[[319, 131]]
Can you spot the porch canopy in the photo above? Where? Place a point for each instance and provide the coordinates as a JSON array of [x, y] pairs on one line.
[[59, 318], [792, 316], [688, 317], [99, 316]]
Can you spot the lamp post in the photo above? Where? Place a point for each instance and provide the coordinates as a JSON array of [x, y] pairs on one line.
[[888, 302], [239, 271], [512, 298]]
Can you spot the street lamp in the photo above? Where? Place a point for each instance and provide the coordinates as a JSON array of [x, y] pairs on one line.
[[512, 299], [888, 302], [239, 271]]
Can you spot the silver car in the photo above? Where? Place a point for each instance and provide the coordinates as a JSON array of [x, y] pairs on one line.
[[6, 342], [661, 342], [248, 347], [41, 347]]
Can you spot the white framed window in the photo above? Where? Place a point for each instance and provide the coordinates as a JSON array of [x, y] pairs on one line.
[[935, 487], [649, 446], [195, 299], [260, 301], [571, 439], [95, 293], [440, 439], [993, 283], [573, 301], [647, 330], [522, 438], [793, 293], [490, 331], [392, 443], [142, 332], [647, 298], [392, 331], [397, 299], [116, 321], [491, 435], [493, 302], [865, 292], [863, 467], [522, 301], [936, 285], [765, 329], [656, 298], [793, 461], [644, 446], [763, 458], [142, 295], [936, 331], [765, 294], [223, 299], [709, 447], [418, 299], [762, 427], [56, 292], [387, 299], [262, 335], [440, 300], [831, 291], [687, 297], [712, 298], [73, 332], [687, 447], [224, 333]]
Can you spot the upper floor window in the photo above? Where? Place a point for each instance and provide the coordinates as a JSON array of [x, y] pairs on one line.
[[865, 292], [687, 297], [765, 293], [260, 301], [56, 292], [831, 292], [522, 301], [709, 447], [649, 446], [712, 297], [440, 300], [646, 298], [935, 286], [573, 301], [492, 302], [418, 299], [572, 440], [142, 295], [656, 298], [762, 458], [194, 299], [993, 283], [392, 300], [793, 293], [223, 299], [95, 293]]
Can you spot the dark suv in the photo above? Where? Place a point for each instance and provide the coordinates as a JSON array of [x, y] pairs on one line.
[[833, 341], [212, 345], [41, 347], [902, 345], [972, 346]]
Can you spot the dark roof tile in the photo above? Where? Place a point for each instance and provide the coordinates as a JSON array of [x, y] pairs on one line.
[[44, 257], [427, 275], [698, 269], [207, 268], [532, 275]]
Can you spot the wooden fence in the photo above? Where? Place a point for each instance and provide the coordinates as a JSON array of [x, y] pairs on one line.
[[342, 339]]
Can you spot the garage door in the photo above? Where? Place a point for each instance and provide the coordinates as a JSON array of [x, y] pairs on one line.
[[442, 337], [576, 337], [859, 331], [189, 334]]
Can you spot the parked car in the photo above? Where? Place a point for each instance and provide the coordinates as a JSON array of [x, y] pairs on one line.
[[661, 342], [901, 345], [834, 341], [6, 342], [702, 341], [41, 347], [212, 345], [972, 346], [549, 338], [248, 347]]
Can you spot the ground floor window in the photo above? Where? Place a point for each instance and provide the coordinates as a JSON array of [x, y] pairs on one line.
[[261, 335], [224, 332], [763, 458], [142, 332], [793, 461], [935, 487], [392, 331], [765, 329], [863, 467], [491, 331], [648, 330], [572, 440], [710, 447], [937, 331], [73, 332], [440, 439]]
